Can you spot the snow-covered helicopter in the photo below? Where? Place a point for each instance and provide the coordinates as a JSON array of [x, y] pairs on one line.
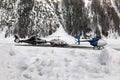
[[57, 42]]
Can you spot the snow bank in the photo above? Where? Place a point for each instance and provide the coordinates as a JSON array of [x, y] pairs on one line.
[[41, 63], [113, 43]]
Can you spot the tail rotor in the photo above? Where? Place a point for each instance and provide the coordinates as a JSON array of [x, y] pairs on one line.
[[17, 40]]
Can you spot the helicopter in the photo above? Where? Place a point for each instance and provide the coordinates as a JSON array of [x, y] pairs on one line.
[[34, 40], [97, 43]]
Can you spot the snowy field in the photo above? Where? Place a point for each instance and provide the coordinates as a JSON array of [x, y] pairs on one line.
[[52, 63], [46, 63]]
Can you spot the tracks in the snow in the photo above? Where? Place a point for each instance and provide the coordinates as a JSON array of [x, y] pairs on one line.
[[69, 46], [47, 45]]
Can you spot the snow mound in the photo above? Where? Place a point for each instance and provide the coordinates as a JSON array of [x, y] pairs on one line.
[[61, 34]]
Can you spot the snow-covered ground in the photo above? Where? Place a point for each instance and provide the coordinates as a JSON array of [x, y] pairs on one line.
[[52, 63], [46, 63], [114, 43]]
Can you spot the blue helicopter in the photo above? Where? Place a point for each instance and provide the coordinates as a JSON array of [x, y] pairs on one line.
[[97, 42]]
